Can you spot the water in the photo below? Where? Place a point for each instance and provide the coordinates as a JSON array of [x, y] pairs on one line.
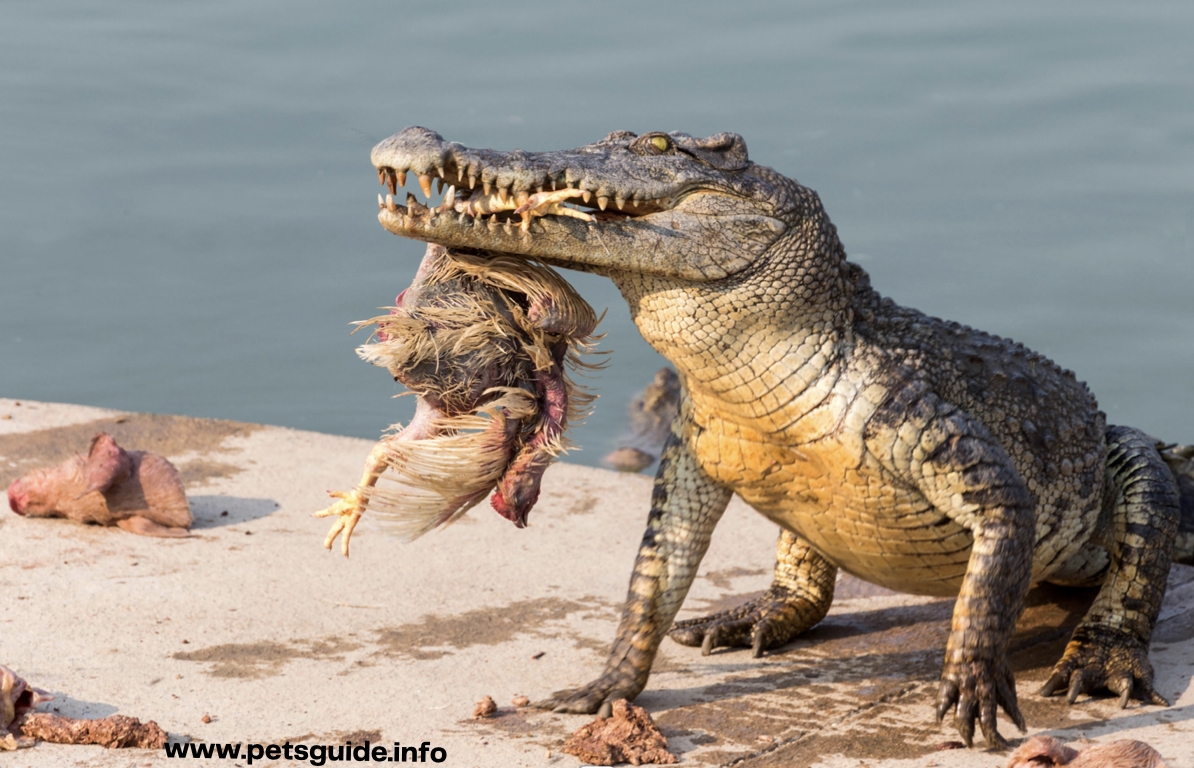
[[187, 210]]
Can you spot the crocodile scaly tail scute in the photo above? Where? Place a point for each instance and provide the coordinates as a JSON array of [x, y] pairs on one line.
[[1180, 459]]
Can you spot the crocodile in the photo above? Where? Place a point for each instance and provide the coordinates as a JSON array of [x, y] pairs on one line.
[[650, 415], [915, 453]]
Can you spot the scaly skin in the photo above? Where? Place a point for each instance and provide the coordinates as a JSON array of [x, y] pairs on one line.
[[915, 453]]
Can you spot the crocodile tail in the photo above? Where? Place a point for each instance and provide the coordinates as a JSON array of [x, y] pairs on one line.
[[1180, 459]]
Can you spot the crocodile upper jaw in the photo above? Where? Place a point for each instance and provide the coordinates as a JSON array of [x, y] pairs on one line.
[[600, 207]]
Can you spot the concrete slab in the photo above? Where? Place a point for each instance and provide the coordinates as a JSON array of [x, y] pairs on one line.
[[251, 622]]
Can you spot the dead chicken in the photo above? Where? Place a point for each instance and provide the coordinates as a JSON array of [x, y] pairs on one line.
[[483, 343], [1048, 752], [137, 491], [16, 698]]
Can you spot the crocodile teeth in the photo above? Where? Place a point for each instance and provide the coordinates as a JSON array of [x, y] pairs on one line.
[[481, 201]]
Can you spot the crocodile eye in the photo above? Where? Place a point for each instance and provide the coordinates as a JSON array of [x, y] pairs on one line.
[[653, 144]]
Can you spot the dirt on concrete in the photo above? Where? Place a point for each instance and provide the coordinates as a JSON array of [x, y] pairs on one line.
[[430, 637], [248, 661], [862, 684]]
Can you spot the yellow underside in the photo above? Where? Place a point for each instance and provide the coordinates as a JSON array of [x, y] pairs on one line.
[[838, 499]]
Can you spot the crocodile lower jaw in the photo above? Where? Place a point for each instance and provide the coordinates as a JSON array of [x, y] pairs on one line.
[[458, 229]]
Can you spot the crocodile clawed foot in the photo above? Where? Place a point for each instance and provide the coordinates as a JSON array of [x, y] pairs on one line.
[[596, 697], [1113, 661], [766, 622], [347, 511], [974, 691]]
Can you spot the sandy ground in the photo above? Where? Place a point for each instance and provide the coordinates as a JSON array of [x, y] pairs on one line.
[[252, 623]]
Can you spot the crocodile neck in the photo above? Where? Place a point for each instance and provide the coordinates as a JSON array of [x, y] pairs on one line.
[[745, 363]]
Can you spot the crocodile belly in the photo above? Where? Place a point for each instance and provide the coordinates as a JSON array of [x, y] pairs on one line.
[[842, 503]]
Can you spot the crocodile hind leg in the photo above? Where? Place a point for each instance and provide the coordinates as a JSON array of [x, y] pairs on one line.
[[1109, 649], [798, 598]]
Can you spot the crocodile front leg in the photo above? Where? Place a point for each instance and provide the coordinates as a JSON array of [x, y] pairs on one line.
[[1109, 648], [963, 471], [977, 678], [799, 597], [685, 507]]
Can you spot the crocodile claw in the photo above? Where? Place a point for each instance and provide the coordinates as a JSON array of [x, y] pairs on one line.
[[598, 696], [1119, 664], [769, 621], [974, 691]]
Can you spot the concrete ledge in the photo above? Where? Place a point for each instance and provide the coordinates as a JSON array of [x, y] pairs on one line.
[[251, 622]]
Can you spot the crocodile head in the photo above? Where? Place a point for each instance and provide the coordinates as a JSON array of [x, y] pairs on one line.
[[663, 204]]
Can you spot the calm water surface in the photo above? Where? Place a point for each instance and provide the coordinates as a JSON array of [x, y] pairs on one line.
[[187, 209]]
